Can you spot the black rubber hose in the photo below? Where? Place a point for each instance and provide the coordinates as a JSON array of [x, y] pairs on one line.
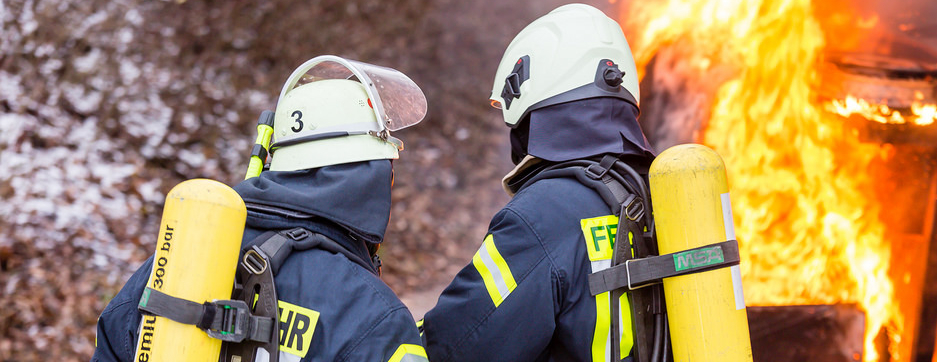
[[637, 179], [658, 337], [666, 340]]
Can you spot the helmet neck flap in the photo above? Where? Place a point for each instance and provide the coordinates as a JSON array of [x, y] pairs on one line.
[[580, 129]]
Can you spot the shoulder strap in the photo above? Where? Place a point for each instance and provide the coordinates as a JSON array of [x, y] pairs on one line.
[[276, 247], [627, 196], [263, 257]]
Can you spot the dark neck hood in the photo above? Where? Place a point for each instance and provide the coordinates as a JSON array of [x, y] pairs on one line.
[[581, 129], [355, 196]]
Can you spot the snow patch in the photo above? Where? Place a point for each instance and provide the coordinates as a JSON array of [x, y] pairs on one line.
[[83, 102], [89, 22], [88, 62], [27, 20], [129, 72], [133, 17], [12, 126]]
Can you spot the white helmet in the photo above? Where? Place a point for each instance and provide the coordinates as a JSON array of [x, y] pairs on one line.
[[333, 110], [574, 52]]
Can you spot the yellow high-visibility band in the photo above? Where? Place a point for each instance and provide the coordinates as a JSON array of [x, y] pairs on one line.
[[600, 338], [409, 353], [624, 317], [599, 234], [499, 281]]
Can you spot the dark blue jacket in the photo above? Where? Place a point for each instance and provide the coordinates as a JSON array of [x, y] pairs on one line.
[[525, 294], [359, 317]]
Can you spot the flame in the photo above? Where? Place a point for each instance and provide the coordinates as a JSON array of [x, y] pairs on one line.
[[809, 230], [921, 114]]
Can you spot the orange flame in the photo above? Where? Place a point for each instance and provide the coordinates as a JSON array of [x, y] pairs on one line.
[[800, 191], [921, 114]]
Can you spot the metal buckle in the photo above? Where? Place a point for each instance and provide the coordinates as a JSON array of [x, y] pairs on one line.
[[235, 321], [628, 273], [254, 262], [635, 209]]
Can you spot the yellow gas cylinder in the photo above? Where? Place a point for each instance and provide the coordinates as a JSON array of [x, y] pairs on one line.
[[706, 311], [196, 256]]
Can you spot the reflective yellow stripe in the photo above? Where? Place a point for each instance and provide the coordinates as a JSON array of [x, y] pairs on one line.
[[502, 265], [494, 271], [601, 336], [409, 353], [599, 234], [486, 276], [627, 339]]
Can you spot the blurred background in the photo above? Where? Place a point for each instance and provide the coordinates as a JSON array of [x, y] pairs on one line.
[[106, 105], [824, 112]]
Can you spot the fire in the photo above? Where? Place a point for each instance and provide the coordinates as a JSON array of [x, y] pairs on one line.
[[808, 228], [921, 114]]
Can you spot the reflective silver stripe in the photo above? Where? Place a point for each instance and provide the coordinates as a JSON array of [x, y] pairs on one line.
[[496, 275], [409, 353], [494, 270], [413, 358], [600, 265], [289, 357]]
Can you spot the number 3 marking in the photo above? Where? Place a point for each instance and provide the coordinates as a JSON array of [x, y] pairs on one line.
[[299, 119]]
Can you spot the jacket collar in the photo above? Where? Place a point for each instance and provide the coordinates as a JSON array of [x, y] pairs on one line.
[[355, 196]]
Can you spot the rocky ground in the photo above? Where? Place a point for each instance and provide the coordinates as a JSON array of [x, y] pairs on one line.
[[106, 105]]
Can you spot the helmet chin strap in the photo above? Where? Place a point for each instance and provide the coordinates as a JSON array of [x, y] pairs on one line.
[[383, 135]]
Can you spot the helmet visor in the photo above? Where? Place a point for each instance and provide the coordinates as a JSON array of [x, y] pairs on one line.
[[397, 101]]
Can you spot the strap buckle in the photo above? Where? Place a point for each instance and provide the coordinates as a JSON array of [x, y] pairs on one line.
[[231, 322], [634, 208], [628, 273], [298, 233], [596, 171], [254, 262]]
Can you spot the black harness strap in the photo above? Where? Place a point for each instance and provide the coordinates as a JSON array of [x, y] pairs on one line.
[[625, 193], [262, 260], [637, 273], [155, 302], [275, 247], [621, 253], [248, 321], [227, 320]]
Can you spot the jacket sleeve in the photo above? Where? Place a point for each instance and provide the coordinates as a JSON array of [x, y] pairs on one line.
[[502, 305], [117, 327], [395, 338]]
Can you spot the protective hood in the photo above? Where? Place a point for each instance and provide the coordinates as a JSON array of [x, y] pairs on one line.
[[355, 195], [581, 129]]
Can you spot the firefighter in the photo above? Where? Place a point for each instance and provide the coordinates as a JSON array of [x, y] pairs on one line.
[[568, 89], [331, 173]]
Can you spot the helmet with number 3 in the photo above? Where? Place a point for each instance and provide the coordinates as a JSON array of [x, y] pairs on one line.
[[334, 110]]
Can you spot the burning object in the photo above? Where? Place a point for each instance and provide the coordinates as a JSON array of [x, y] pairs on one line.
[[768, 84]]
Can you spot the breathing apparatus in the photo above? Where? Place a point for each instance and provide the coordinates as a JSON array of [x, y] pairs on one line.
[[575, 63]]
